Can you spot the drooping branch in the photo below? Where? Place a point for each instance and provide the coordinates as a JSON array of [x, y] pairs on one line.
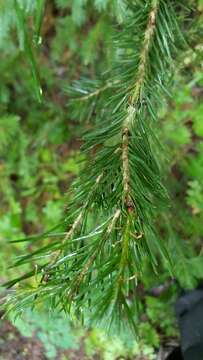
[[100, 269]]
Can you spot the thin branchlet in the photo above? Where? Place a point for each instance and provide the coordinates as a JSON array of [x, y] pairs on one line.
[[98, 91], [75, 225], [91, 259]]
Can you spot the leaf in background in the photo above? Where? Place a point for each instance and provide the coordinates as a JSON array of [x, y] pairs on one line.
[[196, 266], [195, 196], [92, 43], [52, 212], [185, 277], [8, 127], [62, 4], [27, 5], [40, 5], [179, 133], [120, 9], [25, 43], [194, 164], [200, 5], [198, 121], [101, 4], [78, 11], [6, 19]]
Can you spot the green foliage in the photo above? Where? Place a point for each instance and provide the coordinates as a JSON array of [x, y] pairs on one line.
[[13, 14], [9, 126], [195, 196], [25, 45], [56, 334], [93, 267], [160, 314], [53, 331], [38, 164], [79, 8], [185, 149]]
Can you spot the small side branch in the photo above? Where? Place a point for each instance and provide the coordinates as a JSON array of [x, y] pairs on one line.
[[76, 223], [78, 220], [94, 255], [97, 92], [114, 221]]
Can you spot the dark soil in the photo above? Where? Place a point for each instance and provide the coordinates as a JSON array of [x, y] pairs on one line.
[[14, 346]]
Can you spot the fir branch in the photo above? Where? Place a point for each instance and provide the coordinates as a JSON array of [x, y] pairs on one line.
[[98, 270]]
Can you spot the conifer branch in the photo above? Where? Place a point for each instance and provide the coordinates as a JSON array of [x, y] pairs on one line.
[[97, 270]]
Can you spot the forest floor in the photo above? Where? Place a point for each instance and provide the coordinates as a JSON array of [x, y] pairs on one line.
[[14, 346]]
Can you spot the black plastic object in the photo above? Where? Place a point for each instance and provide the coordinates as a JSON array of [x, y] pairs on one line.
[[176, 354], [189, 311]]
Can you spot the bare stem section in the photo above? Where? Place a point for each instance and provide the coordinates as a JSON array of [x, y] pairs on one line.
[[125, 156], [126, 169]]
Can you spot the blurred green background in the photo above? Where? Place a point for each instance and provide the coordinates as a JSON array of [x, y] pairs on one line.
[[39, 157]]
